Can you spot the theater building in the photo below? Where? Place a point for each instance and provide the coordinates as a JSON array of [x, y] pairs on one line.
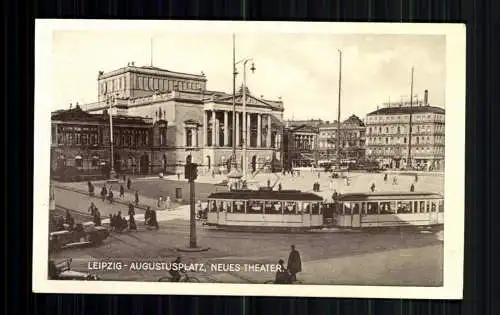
[[388, 132], [199, 122]]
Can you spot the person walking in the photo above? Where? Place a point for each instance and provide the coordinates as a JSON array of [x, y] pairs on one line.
[[97, 217], [131, 209], [372, 188], [294, 263], [395, 180], [136, 197], [122, 191], [129, 183], [279, 187], [168, 203], [385, 177], [412, 188], [92, 208], [110, 196]]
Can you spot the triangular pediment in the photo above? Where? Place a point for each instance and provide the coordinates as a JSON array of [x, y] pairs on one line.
[[250, 100], [304, 128]]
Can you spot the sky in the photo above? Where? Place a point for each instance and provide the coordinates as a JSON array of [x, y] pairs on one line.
[[302, 69]]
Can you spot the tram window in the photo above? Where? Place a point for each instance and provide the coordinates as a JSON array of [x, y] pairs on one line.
[[220, 207], [388, 207], [422, 206], [238, 206], [372, 208], [315, 208], [306, 207], [355, 208], [415, 206], [226, 206], [268, 207], [404, 207], [427, 208], [254, 206], [441, 206], [433, 206], [290, 207], [277, 206], [212, 206], [347, 208], [363, 208]]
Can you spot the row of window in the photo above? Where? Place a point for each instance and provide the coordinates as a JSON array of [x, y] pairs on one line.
[[392, 207], [401, 129], [149, 83], [265, 207], [392, 151], [346, 135], [405, 118], [403, 140]]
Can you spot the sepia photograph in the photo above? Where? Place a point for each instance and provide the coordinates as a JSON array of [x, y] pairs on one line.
[[249, 158]]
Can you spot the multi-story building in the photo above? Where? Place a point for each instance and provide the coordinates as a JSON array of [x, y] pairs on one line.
[[300, 146], [80, 143], [200, 122], [352, 139], [388, 135]]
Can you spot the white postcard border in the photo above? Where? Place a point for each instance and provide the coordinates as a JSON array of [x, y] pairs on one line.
[[454, 161]]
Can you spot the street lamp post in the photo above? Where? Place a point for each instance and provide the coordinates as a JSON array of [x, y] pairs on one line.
[[245, 131], [338, 110], [112, 174]]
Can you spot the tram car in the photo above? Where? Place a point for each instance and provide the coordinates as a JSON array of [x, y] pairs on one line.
[[293, 210], [264, 210], [360, 210]]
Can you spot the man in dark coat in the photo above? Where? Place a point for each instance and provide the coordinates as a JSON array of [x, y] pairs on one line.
[[294, 263], [97, 217], [122, 191], [412, 188], [136, 197], [129, 183], [153, 220], [131, 210]]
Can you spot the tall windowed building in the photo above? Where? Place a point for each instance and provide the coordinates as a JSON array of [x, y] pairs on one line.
[[352, 139], [199, 121], [388, 135]]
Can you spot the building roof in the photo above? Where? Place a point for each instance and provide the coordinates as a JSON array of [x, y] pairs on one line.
[[304, 128], [294, 195], [78, 115], [407, 110], [151, 71]]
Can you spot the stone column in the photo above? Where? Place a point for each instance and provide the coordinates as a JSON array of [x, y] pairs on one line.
[[226, 129], [238, 131], [249, 132], [213, 128], [217, 131], [259, 130], [205, 128], [268, 136]]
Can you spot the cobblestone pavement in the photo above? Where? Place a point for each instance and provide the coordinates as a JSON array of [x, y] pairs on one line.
[[391, 257]]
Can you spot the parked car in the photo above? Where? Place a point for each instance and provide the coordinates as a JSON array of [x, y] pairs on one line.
[[82, 234], [62, 271]]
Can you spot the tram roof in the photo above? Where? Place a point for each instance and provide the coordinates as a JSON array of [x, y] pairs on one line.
[[388, 196], [266, 195]]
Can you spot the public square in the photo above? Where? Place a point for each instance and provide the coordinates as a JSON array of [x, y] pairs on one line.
[[409, 256]]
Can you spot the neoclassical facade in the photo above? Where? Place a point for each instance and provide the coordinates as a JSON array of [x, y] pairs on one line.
[[200, 122]]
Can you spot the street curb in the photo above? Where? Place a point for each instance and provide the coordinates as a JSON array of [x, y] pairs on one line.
[[139, 206]]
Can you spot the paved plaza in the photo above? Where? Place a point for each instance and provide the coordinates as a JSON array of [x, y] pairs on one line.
[[409, 256]]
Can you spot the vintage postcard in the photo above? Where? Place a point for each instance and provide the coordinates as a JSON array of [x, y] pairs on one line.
[[249, 158]]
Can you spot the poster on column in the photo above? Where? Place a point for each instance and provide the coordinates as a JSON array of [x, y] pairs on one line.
[[316, 162]]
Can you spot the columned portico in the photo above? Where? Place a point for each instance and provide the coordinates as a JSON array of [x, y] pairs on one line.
[[259, 129]]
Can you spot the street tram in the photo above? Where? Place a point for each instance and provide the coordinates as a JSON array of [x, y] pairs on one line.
[[358, 210], [265, 209]]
